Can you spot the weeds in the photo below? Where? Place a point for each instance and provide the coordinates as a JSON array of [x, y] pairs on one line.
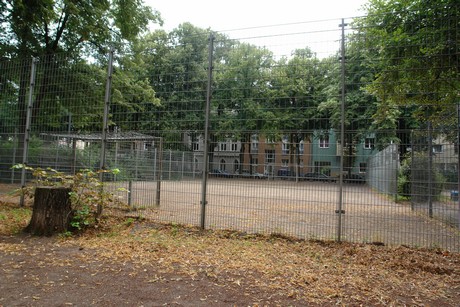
[[13, 220], [88, 196]]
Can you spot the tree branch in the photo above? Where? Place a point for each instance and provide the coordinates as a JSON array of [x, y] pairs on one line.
[[60, 30]]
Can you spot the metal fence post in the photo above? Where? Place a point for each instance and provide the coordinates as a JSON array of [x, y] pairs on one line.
[[108, 89], [33, 73], [159, 171], [458, 161], [412, 157], [340, 210], [15, 144], [206, 134], [430, 170]]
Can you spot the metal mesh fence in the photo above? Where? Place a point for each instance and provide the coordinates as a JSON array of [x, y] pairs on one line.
[[281, 129]]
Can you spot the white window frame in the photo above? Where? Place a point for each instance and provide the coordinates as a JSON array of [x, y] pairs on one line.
[[369, 143], [324, 141]]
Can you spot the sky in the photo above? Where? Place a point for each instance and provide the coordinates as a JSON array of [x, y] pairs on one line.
[[236, 14], [256, 21]]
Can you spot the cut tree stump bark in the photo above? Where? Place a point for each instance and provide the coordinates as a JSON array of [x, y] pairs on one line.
[[51, 211]]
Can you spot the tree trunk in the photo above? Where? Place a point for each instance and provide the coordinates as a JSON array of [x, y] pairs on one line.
[[51, 212]]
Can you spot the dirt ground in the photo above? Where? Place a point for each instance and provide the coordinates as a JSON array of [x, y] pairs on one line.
[[135, 261], [127, 262], [42, 272]]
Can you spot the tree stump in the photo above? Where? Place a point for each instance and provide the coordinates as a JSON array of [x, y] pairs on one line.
[[51, 211]]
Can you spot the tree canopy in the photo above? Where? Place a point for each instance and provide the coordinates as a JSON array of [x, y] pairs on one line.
[[402, 70], [414, 50], [71, 26]]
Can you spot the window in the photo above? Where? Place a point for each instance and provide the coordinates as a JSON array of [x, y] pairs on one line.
[[234, 146], [223, 146], [222, 165], [301, 148], [369, 143], [254, 163], [285, 148], [362, 167], [254, 143], [236, 165], [269, 156], [324, 141], [195, 146], [437, 148], [323, 167], [147, 146], [285, 162]]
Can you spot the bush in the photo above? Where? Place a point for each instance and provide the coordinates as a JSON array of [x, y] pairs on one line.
[[87, 196], [414, 179]]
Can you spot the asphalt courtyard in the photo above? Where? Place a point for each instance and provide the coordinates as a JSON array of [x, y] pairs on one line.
[[302, 209]]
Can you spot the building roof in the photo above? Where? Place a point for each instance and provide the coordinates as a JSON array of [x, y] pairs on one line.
[[111, 136]]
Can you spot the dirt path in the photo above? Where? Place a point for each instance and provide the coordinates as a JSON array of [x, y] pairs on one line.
[[42, 272], [125, 262]]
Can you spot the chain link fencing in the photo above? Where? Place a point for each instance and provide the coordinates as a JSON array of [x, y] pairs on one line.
[[274, 129]]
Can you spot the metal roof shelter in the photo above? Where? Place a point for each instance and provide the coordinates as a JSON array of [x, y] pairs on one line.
[[111, 137]]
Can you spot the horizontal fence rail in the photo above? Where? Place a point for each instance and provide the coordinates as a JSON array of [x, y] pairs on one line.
[[318, 130]]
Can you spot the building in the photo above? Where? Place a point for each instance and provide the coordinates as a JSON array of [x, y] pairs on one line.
[[326, 151], [320, 153]]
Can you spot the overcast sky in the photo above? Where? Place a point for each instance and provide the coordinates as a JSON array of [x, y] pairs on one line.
[[236, 14], [296, 16]]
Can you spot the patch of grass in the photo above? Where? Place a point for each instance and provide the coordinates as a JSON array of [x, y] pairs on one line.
[[13, 218]]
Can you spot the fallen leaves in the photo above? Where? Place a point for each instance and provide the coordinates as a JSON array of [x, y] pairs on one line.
[[313, 271], [316, 272]]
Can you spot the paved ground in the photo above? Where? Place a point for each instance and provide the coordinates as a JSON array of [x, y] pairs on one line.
[[302, 209]]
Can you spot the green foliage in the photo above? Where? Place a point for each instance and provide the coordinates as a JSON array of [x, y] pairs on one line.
[[87, 195], [404, 187], [413, 51], [13, 219], [415, 179], [71, 38], [47, 27]]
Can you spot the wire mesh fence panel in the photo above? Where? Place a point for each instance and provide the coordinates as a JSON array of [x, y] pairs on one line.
[[410, 111], [333, 129], [15, 82]]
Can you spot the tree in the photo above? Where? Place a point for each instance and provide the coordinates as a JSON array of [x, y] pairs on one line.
[[297, 90], [176, 65], [78, 29], [240, 93], [360, 106], [416, 56], [71, 26]]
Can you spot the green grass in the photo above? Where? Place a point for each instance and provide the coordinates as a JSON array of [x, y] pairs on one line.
[[13, 219]]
